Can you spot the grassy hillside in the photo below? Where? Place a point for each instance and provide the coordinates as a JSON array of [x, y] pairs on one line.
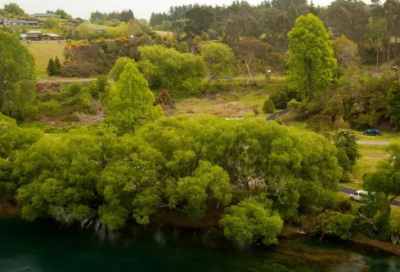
[[239, 101], [43, 52]]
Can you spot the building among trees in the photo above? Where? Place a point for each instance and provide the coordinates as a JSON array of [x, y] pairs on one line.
[[39, 36]]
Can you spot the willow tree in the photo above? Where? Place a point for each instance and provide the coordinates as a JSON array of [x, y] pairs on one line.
[[17, 67], [130, 103], [311, 57]]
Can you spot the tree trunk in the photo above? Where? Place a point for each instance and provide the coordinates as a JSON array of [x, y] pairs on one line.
[[388, 50], [395, 45], [208, 83], [377, 57], [309, 82], [321, 238]]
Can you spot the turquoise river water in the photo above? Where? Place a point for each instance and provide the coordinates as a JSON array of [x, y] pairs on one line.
[[45, 246]]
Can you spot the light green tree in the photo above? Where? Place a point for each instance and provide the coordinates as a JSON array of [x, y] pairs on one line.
[[311, 58], [219, 59], [386, 179], [12, 140], [119, 67], [130, 102], [165, 68], [250, 220], [16, 66], [208, 182], [334, 223]]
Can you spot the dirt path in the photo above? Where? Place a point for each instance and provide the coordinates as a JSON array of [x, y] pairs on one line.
[[64, 80]]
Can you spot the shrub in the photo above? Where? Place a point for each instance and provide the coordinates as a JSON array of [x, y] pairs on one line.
[[50, 108], [269, 106], [320, 123], [280, 99]]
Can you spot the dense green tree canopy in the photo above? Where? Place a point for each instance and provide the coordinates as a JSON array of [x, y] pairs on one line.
[[12, 140], [219, 60], [14, 9], [250, 220], [16, 66], [130, 102], [119, 67], [311, 57], [166, 68]]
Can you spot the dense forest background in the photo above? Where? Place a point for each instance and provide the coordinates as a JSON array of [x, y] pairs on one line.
[[372, 27]]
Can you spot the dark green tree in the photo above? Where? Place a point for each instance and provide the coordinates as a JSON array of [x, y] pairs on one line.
[[394, 104], [57, 64], [51, 67], [14, 9], [268, 106]]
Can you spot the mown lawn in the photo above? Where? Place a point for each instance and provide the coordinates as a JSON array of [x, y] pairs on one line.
[[42, 52]]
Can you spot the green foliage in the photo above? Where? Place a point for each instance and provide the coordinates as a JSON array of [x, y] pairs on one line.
[[99, 89], [50, 108], [311, 57], [166, 68], [12, 140], [269, 106], [14, 9], [366, 99], [119, 67], [280, 99], [51, 68], [346, 143], [205, 37], [17, 70], [219, 59], [57, 175], [251, 220], [130, 102], [57, 64], [346, 52], [394, 104], [335, 223], [20, 101], [207, 181], [190, 165]]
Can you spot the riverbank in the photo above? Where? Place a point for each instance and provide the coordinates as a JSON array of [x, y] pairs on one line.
[[210, 222]]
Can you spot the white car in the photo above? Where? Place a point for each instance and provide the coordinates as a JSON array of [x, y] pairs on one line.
[[359, 195]]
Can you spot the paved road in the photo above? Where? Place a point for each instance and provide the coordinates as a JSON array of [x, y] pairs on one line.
[[349, 191], [272, 117], [377, 143]]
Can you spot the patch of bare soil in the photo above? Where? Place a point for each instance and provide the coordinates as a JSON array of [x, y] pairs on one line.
[[42, 88]]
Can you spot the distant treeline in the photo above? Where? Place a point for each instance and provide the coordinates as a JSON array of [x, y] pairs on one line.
[[99, 17], [367, 25]]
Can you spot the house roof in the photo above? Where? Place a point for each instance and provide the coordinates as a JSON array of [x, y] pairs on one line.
[[45, 15], [27, 22], [52, 35], [34, 32]]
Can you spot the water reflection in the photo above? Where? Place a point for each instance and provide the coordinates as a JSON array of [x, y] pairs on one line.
[[45, 246]]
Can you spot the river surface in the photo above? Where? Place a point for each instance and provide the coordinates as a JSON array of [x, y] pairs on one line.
[[45, 246]]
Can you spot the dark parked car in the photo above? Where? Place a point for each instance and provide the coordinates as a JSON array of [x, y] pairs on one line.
[[373, 132]]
